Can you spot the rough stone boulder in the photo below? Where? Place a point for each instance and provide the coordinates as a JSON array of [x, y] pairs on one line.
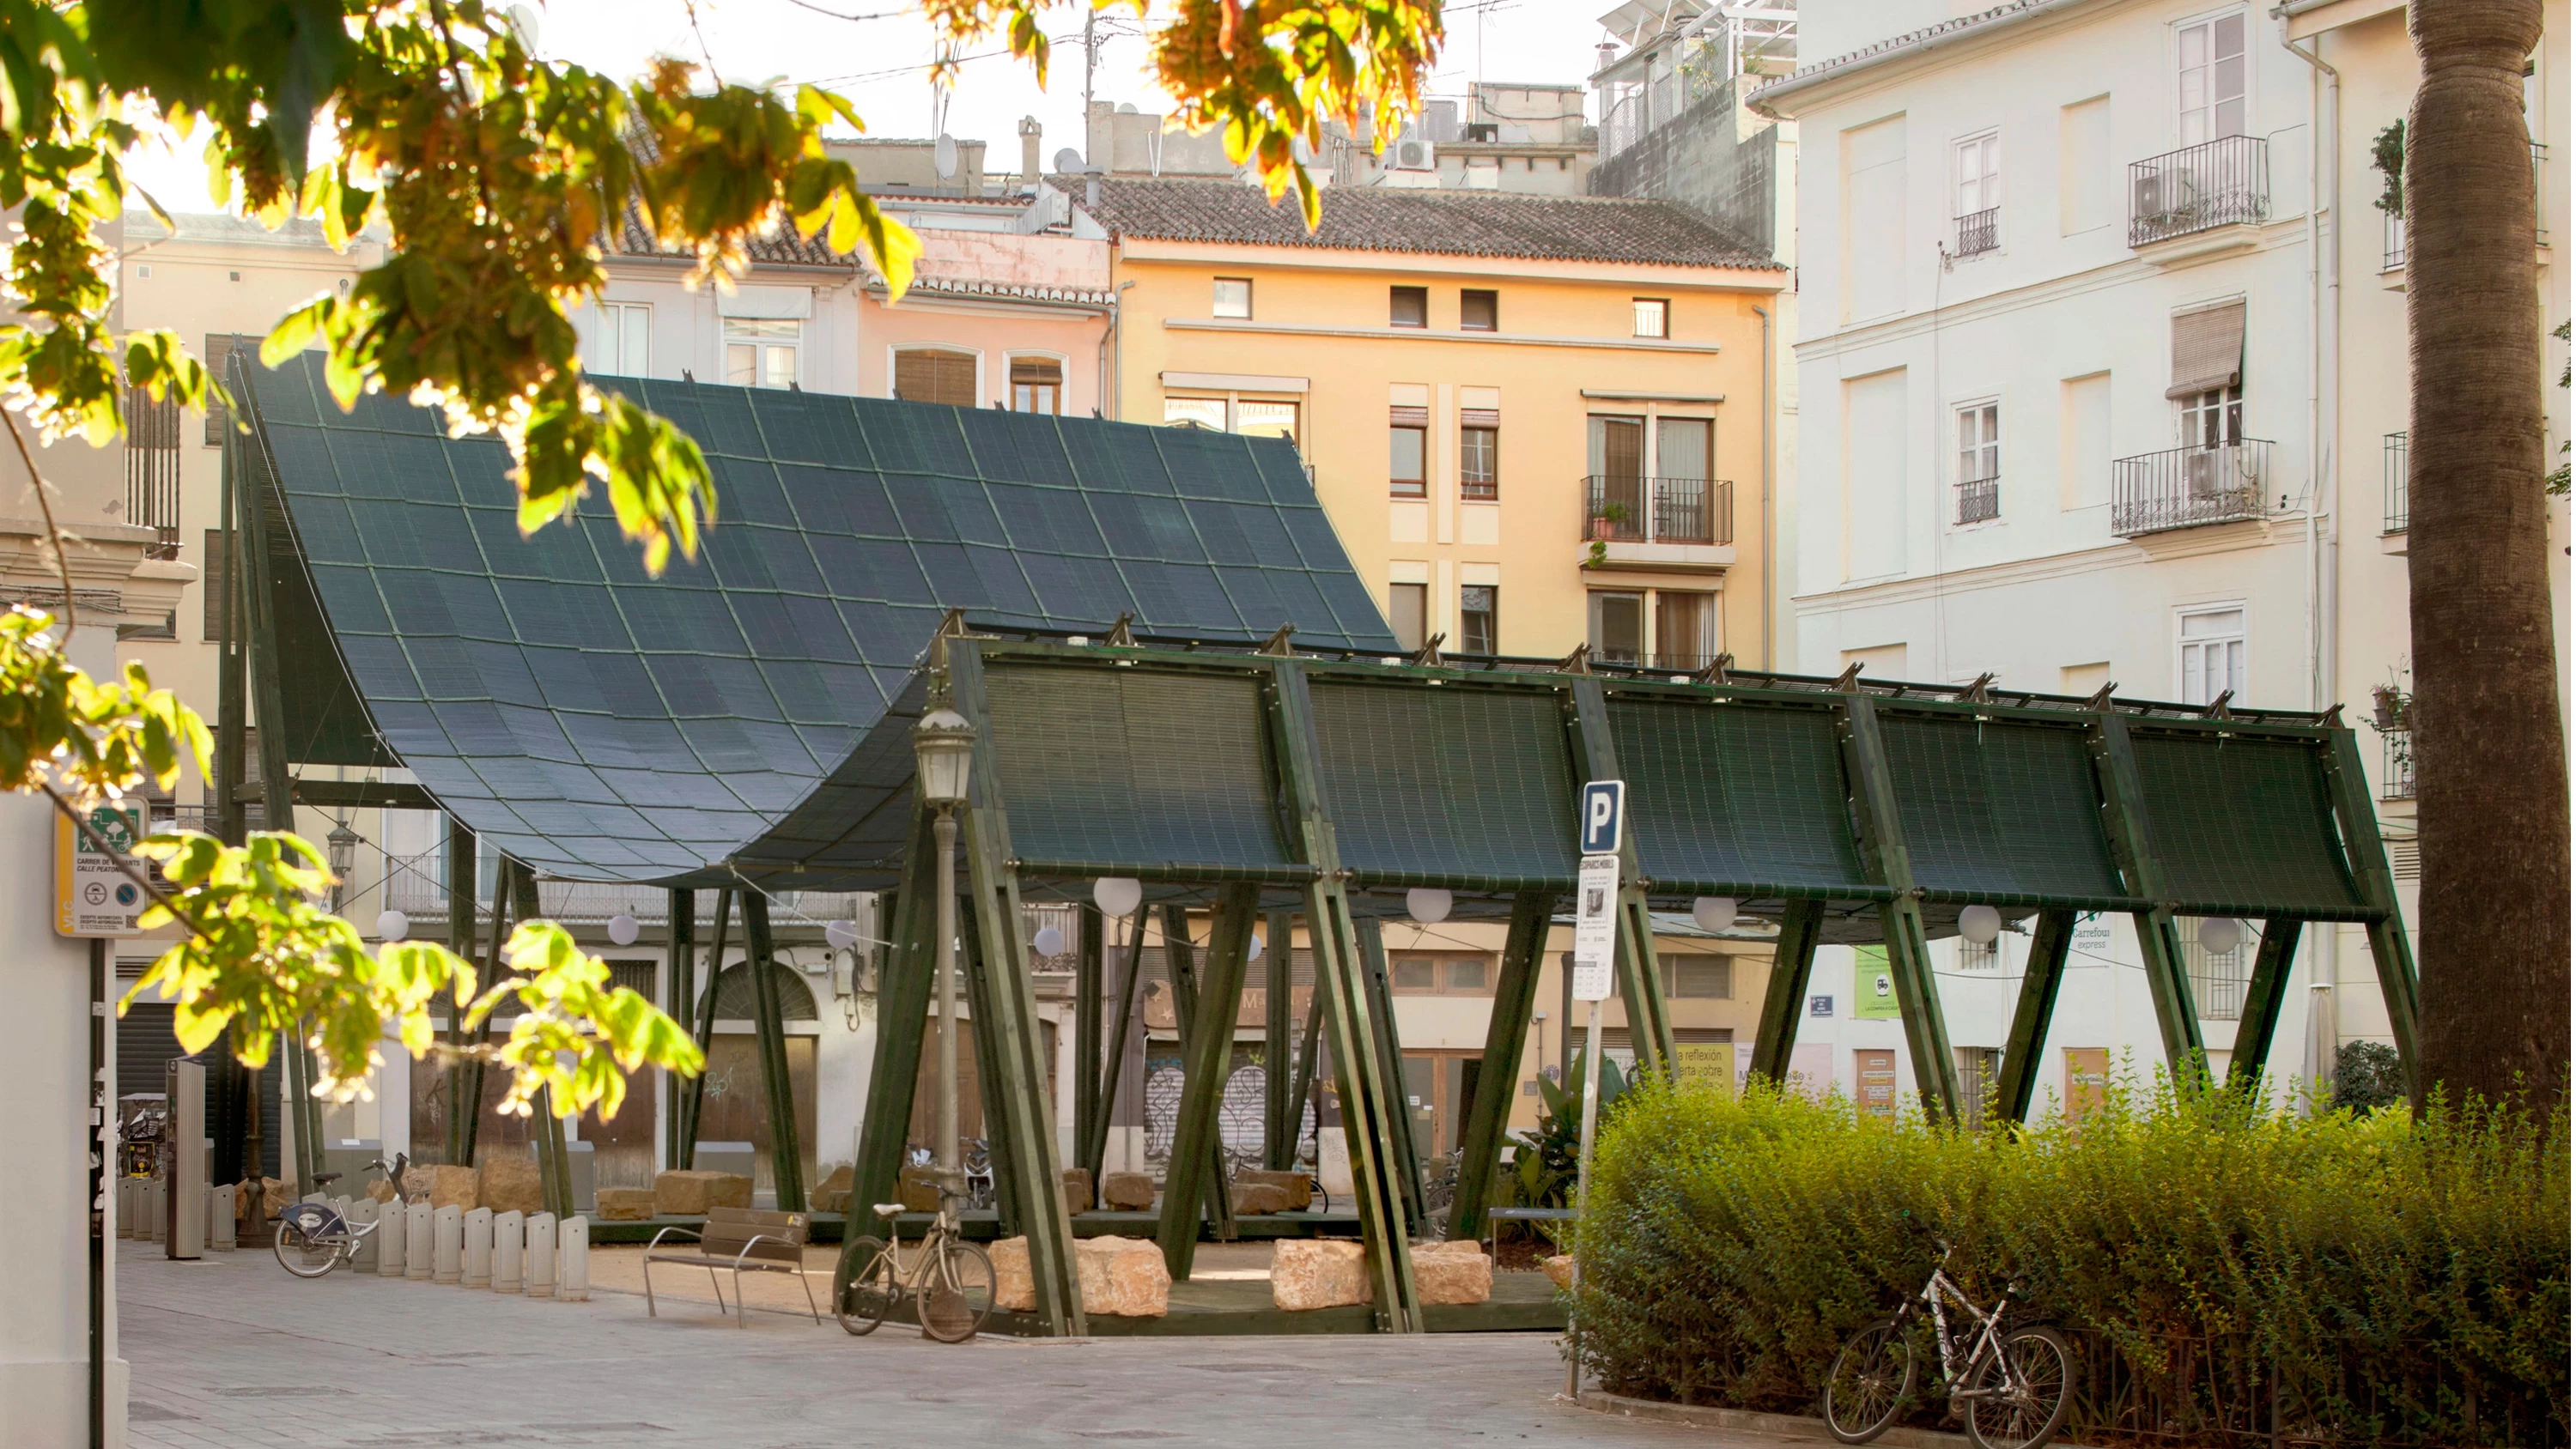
[[512, 1184], [1257, 1199], [1127, 1192], [918, 1189], [1015, 1288], [273, 1197], [834, 1195], [457, 1187], [1122, 1277], [1299, 1188], [1560, 1271], [687, 1193], [1318, 1273], [625, 1204], [1077, 1189], [1452, 1273]]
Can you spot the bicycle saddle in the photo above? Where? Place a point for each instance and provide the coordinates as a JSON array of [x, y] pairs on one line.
[[889, 1209], [325, 1179]]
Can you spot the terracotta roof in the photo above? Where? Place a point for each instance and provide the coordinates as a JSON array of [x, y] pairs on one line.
[[1445, 223], [633, 239]]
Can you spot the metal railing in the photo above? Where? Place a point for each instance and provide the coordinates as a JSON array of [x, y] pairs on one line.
[[2218, 978], [2226, 182], [1978, 231], [1980, 499], [2187, 487], [412, 885], [152, 468], [2397, 764], [1683, 510], [2392, 243], [2392, 453]]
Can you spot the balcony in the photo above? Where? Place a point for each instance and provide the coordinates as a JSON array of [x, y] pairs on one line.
[[2392, 229], [2397, 764], [152, 469], [2189, 487], [1977, 232], [2216, 193], [1980, 499], [1684, 510], [2392, 453]]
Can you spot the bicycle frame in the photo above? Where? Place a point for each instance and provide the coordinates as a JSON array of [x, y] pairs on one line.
[[1988, 1340]]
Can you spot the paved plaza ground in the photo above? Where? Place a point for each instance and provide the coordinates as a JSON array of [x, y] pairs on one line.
[[230, 1351]]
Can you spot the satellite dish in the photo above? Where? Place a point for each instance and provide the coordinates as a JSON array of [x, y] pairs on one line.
[[943, 155], [1068, 161], [523, 22]]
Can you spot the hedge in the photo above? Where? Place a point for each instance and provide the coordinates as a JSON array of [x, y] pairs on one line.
[[2229, 1271]]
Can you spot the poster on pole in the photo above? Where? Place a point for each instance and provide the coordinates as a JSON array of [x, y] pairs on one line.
[[93, 895], [1596, 925]]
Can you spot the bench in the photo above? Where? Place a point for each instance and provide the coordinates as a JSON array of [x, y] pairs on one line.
[[735, 1238], [1496, 1216]]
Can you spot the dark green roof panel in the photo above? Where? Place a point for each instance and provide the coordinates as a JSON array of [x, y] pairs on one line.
[[2243, 826], [1470, 785], [1737, 797], [2002, 811]]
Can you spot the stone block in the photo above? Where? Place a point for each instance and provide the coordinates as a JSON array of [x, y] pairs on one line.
[[1015, 1287], [1258, 1199], [273, 1196], [1122, 1277], [1452, 1273], [1560, 1271], [1077, 1189], [918, 1189], [1127, 1192], [1318, 1273], [456, 1187], [833, 1196], [1297, 1186], [625, 1204], [512, 1184], [687, 1193]]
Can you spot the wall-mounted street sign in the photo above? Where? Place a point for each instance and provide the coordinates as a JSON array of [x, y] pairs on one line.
[[1605, 809], [1596, 925], [93, 896]]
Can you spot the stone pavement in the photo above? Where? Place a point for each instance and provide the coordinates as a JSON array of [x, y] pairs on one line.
[[230, 1351]]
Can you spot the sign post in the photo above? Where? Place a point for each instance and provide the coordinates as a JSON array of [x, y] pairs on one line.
[[1596, 942], [93, 895]]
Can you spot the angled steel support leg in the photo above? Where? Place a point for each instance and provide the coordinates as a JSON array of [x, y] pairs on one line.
[[1909, 958], [1087, 1004], [679, 1000], [1180, 968], [1784, 1000], [1641, 981], [1498, 1076], [2264, 995], [1278, 1030], [2367, 856], [2124, 818], [1207, 1057], [1390, 1061], [777, 1081], [991, 1063], [693, 1094], [2018, 1082], [1095, 1147], [903, 1009]]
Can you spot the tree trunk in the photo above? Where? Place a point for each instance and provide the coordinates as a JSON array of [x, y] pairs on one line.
[[2491, 779]]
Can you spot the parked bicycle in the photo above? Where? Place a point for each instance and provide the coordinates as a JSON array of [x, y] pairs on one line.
[[950, 1280], [2013, 1385], [313, 1238]]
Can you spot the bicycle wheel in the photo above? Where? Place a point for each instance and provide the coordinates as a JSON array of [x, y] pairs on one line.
[[956, 1293], [2020, 1397], [1871, 1382], [864, 1285], [305, 1257]]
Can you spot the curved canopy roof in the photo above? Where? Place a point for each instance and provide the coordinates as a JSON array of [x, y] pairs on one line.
[[600, 724]]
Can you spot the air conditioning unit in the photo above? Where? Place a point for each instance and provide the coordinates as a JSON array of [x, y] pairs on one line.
[[1413, 153], [2147, 194], [2205, 472]]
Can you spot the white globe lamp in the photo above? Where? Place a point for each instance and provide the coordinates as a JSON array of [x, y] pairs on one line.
[[2220, 935], [392, 925], [622, 929], [1714, 913], [1981, 924], [840, 935], [1117, 895], [1049, 941], [1428, 905]]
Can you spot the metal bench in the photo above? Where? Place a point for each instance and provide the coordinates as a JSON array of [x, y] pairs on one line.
[[1520, 1215], [736, 1238]]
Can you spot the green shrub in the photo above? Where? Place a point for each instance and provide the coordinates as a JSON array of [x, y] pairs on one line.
[[2368, 1076], [2406, 1280]]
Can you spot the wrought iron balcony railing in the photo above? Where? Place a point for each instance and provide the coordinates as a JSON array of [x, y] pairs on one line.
[[2217, 183], [2397, 764], [2188, 487], [152, 468], [2392, 452], [1657, 510], [1978, 231], [1980, 499]]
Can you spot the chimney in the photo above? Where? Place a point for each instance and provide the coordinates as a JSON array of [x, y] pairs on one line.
[[1030, 131]]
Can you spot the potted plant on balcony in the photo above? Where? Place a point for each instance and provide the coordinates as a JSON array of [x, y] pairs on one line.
[[2392, 708], [1605, 523]]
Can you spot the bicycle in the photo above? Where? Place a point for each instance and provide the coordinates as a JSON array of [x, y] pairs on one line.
[[313, 1238], [2014, 1389], [951, 1281]]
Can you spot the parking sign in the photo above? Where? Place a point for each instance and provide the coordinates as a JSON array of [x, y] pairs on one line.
[[1605, 809]]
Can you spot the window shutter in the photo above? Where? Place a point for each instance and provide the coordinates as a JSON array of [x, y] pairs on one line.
[[1404, 417], [1037, 370], [219, 348], [931, 376], [1480, 417], [2208, 349], [211, 584]]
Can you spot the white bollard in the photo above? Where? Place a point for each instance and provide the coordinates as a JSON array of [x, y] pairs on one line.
[[572, 1281], [156, 1218], [478, 1248], [509, 1251], [389, 1244], [361, 1215], [223, 1218], [416, 1236], [541, 1256], [126, 1216], [447, 1232]]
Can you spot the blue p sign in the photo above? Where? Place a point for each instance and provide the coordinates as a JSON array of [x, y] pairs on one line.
[[1604, 810]]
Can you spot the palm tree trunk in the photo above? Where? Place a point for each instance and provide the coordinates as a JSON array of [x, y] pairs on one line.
[[2491, 778]]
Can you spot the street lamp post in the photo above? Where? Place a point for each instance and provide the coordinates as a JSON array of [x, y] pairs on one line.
[[943, 746]]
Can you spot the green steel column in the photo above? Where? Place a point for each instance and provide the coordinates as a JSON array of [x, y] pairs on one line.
[[1207, 1053], [1390, 1064], [693, 1097], [1641, 979], [2017, 1084], [975, 974], [1278, 1124], [2124, 817], [769, 1028], [1498, 1077], [2367, 855], [465, 1078], [460, 888], [903, 1013], [1095, 1147], [1301, 1091], [1784, 1000], [1020, 1120], [554, 1165], [1181, 970], [1909, 958], [2263, 997], [1343, 999], [1087, 1006], [232, 687], [679, 1000]]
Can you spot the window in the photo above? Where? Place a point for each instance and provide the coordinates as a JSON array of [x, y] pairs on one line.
[[211, 573], [219, 419], [1476, 615], [935, 375], [1407, 429], [1976, 957], [1699, 978], [1197, 412], [1233, 297], [2212, 644], [1408, 608], [2214, 418], [1618, 626], [2208, 373], [2218, 978], [1415, 975], [1037, 385], [1979, 164], [1685, 630], [1981, 461], [762, 351], [1476, 311], [1259, 419], [1978, 1069], [620, 342], [1479, 441], [2211, 89], [1408, 307], [1653, 317]]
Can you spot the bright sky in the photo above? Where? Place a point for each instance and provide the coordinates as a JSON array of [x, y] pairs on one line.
[[881, 62]]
